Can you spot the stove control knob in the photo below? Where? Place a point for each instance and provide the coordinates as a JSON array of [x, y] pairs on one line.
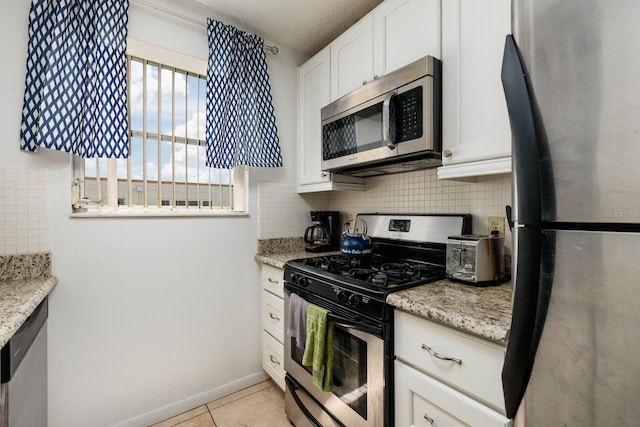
[[355, 300], [303, 281], [342, 296], [295, 278]]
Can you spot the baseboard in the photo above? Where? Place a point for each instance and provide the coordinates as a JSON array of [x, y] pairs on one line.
[[194, 401]]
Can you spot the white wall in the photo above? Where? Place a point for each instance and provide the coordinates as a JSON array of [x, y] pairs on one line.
[[150, 316]]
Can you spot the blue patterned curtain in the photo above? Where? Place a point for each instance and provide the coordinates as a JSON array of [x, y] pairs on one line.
[[75, 98], [241, 125]]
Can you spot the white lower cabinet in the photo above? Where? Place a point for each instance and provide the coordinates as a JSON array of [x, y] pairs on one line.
[[444, 377], [273, 358], [273, 315], [273, 323], [424, 401]]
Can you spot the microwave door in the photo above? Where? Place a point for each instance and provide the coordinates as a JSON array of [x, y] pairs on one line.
[[355, 137]]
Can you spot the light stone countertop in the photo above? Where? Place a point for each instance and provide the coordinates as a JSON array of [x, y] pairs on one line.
[[481, 311], [18, 299], [280, 259], [25, 281], [276, 252]]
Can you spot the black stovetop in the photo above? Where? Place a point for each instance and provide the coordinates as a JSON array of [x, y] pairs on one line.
[[375, 272], [358, 285], [407, 250]]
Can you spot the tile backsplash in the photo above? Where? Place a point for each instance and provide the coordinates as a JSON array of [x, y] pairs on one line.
[[422, 192], [284, 213], [24, 210]]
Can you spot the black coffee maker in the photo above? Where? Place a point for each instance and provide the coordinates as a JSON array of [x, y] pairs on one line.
[[324, 234]]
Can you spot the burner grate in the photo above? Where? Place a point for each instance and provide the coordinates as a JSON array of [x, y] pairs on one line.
[[376, 271]]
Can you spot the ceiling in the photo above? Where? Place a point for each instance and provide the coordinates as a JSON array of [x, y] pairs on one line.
[[306, 26]]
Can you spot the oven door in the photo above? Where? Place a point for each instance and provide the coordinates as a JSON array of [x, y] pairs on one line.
[[357, 399]]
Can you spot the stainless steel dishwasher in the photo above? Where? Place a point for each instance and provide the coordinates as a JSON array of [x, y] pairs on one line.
[[23, 373]]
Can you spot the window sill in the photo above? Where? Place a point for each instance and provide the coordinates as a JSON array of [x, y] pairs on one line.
[[158, 213]]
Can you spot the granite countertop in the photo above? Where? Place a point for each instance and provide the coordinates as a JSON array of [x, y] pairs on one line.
[[482, 311], [276, 252], [279, 259], [25, 281]]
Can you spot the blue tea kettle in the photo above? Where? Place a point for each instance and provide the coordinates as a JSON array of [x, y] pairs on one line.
[[355, 244]]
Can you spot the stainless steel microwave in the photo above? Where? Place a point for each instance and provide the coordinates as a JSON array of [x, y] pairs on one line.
[[389, 125]]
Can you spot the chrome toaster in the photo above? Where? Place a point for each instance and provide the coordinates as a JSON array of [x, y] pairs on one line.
[[476, 259]]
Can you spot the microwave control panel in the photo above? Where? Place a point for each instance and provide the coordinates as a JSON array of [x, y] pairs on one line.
[[409, 114]]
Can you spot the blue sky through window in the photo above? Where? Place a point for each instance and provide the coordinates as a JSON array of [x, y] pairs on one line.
[[180, 97]]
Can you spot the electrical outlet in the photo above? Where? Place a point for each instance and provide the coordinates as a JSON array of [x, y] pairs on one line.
[[495, 223]]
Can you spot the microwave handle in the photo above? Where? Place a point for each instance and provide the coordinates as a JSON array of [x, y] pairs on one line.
[[386, 133]]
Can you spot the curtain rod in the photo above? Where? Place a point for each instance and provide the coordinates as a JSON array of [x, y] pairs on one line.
[[271, 49]]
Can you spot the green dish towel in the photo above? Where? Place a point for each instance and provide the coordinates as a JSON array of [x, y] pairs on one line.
[[318, 351]]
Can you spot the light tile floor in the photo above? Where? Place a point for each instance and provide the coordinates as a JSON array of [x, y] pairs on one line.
[[261, 405]]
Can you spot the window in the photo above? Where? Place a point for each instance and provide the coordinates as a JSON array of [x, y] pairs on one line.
[[165, 172]]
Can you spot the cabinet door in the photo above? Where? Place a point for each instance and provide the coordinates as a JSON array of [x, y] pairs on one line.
[[404, 31], [313, 94], [273, 280], [273, 315], [422, 343], [273, 359], [352, 58], [422, 401], [474, 113]]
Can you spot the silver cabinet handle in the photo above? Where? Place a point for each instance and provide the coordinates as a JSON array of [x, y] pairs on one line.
[[274, 360], [441, 357], [447, 153], [270, 280], [429, 419], [274, 317]]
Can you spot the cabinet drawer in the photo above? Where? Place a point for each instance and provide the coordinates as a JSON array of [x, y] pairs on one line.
[[273, 358], [273, 315], [422, 401], [273, 280], [420, 343]]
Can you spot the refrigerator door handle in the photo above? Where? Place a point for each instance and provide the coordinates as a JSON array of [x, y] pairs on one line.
[[528, 316], [524, 142], [518, 361]]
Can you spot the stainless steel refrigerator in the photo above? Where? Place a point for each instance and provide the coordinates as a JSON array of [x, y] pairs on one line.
[[571, 75]]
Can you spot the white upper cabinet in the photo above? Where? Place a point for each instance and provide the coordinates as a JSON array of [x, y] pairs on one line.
[[314, 78], [395, 34], [313, 94], [404, 31], [475, 124], [352, 58]]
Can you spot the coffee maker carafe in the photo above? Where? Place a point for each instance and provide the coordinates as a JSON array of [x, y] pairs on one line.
[[324, 234]]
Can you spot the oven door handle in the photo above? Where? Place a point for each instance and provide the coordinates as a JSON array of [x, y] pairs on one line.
[[294, 393], [351, 324]]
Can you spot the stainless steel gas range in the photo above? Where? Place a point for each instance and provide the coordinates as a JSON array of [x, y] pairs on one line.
[[408, 250]]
